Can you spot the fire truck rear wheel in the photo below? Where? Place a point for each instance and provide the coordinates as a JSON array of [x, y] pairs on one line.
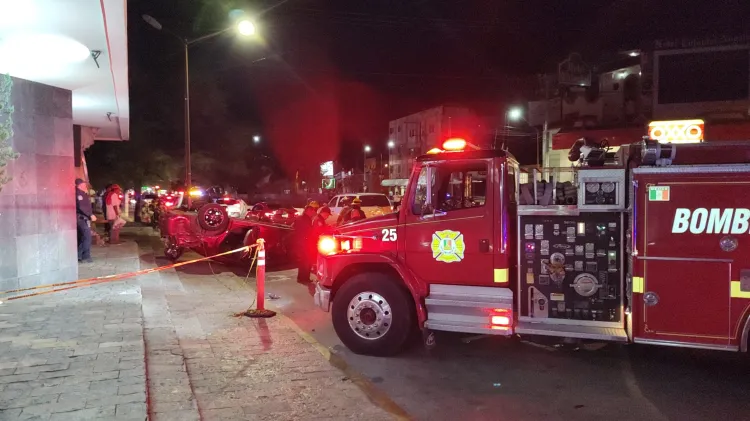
[[373, 314]]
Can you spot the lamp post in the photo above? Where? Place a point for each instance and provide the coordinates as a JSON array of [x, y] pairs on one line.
[[364, 167], [245, 28], [515, 114], [391, 145]]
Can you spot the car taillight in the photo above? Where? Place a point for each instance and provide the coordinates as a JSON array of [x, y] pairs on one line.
[[269, 214]]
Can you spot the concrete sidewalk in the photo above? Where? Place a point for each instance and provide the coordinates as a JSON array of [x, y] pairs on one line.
[[76, 355], [203, 363], [163, 346]]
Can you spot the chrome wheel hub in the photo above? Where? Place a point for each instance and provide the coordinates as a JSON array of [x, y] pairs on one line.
[[369, 315], [213, 217]]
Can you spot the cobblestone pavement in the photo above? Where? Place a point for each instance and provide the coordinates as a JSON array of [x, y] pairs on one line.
[[205, 364], [76, 355], [90, 353]]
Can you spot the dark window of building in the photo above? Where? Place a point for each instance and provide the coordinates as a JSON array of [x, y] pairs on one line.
[[390, 131], [432, 128], [684, 78]]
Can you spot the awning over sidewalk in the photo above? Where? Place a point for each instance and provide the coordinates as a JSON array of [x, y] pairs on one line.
[[395, 182]]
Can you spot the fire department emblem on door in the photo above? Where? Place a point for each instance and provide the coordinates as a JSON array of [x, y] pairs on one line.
[[448, 246]]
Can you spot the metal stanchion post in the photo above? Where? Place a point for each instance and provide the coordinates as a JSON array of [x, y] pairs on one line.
[[260, 285]]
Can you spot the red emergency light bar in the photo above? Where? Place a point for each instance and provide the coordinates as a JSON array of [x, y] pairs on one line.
[[454, 144]]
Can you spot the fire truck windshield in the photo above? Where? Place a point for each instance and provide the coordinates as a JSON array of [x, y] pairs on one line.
[[455, 186]]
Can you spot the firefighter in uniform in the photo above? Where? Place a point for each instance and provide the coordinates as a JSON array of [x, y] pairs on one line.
[[84, 218], [320, 226], [302, 233], [352, 212]]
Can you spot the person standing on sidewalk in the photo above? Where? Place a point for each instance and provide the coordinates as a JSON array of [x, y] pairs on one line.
[[302, 231], [113, 203], [84, 218]]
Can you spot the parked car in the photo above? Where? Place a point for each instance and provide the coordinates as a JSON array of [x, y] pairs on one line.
[[285, 215], [262, 210], [236, 208], [373, 204]]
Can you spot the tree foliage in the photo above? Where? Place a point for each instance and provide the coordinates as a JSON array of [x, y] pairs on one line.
[[7, 153]]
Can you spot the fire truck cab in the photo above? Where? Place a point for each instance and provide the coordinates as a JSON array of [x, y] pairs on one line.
[[648, 245]]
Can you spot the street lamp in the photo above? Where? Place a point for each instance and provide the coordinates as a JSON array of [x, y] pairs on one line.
[[245, 28], [391, 145], [256, 138], [364, 167], [516, 114]]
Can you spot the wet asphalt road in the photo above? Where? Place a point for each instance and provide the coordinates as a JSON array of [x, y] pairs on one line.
[[512, 379]]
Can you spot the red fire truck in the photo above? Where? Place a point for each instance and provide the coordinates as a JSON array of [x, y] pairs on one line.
[[648, 245]]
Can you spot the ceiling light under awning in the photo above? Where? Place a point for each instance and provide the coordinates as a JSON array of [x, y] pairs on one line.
[[32, 56]]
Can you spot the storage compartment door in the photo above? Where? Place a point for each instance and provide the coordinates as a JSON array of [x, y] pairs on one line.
[[685, 300]]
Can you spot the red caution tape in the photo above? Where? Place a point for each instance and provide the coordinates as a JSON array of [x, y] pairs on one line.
[[109, 278]]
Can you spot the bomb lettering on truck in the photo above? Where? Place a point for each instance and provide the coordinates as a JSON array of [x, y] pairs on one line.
[[711, 221]]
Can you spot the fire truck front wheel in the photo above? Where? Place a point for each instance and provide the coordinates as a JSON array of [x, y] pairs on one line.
[[373, 314]]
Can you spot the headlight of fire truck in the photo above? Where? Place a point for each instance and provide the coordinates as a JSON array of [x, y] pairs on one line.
[[329, 245]]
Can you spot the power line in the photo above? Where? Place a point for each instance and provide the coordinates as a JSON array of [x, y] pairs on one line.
[[396, 18], [391, 20]]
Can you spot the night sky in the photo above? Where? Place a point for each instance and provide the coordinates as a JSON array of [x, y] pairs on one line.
[[329, 74]]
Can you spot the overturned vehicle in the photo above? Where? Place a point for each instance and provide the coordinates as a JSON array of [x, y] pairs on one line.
[[211, 231]]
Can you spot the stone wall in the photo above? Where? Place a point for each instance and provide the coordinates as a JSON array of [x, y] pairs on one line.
[[38, 239]]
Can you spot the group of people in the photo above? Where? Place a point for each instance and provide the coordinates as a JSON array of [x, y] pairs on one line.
[[85, 216], [313, 223], [307, 228]]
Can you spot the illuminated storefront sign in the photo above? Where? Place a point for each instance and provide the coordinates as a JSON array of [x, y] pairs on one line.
[[676, 131]]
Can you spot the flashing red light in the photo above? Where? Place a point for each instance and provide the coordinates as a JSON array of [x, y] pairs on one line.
[[500, 318], [454, 144], [327, 245]]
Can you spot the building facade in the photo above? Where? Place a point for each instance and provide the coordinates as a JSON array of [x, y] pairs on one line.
[[69, 88], [705, 81], [417, 133]]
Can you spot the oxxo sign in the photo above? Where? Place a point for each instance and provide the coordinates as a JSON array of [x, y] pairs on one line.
[[677, 131], [711, 221]]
